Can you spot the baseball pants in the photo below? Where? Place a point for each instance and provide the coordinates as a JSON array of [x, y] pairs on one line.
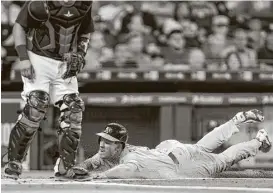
[[48, 74], [197, 160]]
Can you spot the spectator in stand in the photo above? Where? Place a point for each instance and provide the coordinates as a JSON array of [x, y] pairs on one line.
[[256, 34], [94, 52], [192, 33], [136, 46], [160, 9], [142, 23], [218, 40], [9, 12], [194, 36], [182, 14], [107, 59], [202, 12], [113, 12], [102, 26], [222, 8], [123, 57], [197, 59], [238, 56], [155, 56], [174, 52], [265, 55]]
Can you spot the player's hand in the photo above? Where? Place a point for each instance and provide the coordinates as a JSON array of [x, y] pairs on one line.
[[80, 171], [26, 69]]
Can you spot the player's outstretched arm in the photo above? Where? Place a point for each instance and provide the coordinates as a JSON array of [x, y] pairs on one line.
[[87, 166], [122, 171]]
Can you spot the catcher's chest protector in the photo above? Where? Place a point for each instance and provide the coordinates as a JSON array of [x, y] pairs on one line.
[[59, 32]]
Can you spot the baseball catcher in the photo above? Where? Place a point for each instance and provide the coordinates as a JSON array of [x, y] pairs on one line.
[[172, 159], [51, 39]]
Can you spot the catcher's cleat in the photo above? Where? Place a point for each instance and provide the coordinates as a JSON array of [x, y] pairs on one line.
[[262, 136], [251, 116], [13, 170]]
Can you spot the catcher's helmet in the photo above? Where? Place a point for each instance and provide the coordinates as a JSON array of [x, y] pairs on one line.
[[114, 132]]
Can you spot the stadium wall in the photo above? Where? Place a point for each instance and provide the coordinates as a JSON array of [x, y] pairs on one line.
[[150, 118]]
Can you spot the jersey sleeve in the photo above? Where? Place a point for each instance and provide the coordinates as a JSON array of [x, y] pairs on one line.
[[87, 25], [91, 163], [24, 18]]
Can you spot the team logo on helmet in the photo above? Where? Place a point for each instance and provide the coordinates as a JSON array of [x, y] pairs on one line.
[[108, 130]]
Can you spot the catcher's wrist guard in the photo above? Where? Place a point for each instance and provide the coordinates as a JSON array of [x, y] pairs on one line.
[[22, 52], [75, 63], [83, 45]]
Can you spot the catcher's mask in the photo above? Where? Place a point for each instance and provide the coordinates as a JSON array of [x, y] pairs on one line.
[[114, 132]]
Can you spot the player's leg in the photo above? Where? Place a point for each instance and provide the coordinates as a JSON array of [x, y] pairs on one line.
[[241, 151], [223, 133], [71, 108], [35, 93], [24, 130]]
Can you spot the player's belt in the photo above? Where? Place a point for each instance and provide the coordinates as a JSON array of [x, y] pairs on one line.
[[172, 156]]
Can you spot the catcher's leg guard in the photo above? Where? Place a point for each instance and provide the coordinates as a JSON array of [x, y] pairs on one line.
[[69, 132], [25, 128]]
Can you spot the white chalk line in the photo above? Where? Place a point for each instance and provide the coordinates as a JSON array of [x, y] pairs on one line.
[[101, 185], [46, 181]]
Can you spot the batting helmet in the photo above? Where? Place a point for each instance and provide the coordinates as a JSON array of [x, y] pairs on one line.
[[114, 132]]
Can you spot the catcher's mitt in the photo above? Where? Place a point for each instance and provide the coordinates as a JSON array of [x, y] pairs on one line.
[[75, 63]]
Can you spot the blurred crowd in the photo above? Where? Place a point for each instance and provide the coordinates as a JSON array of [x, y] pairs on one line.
[[219, 35]]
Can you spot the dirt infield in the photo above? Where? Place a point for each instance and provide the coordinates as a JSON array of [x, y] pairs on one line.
[[124, 186], [249, 173], [43, 182]]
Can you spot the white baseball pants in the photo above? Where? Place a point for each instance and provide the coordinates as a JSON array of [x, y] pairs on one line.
[[197, 160], [48, 74]]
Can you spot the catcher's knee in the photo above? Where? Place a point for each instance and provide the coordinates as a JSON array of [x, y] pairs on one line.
[[72, 107], [37, 105]]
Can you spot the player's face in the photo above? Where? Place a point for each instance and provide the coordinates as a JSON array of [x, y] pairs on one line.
[[136, 44], [109, 149], [177, 41], [241, 39], [136, 24]]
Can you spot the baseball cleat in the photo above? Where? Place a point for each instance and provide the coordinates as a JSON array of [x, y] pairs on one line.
[[262, 136], [251, 116], [13, 170]]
